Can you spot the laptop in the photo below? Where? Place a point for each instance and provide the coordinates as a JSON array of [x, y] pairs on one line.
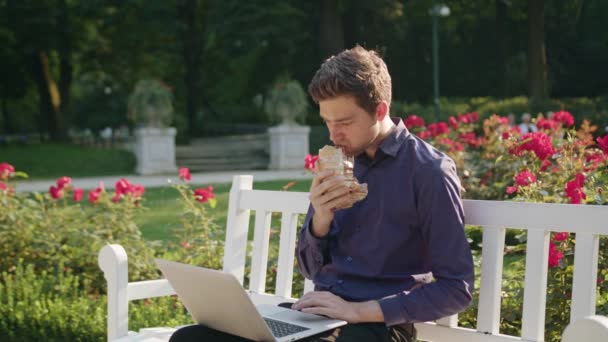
[[217, 300]]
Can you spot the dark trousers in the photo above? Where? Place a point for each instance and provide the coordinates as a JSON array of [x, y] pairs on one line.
[[364, 332]]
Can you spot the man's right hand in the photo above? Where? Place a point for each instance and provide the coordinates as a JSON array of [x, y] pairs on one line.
[[327, 192]]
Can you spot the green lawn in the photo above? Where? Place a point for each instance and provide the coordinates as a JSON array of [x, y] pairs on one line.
[[42, 161], [163, 206]]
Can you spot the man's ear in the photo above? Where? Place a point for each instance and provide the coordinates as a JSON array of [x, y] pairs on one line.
[[381, 110]]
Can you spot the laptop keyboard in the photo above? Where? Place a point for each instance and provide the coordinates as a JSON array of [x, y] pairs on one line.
[[280, 329]]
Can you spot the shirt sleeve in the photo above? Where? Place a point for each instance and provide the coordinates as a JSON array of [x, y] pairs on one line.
[[441, 215], [311, 250]]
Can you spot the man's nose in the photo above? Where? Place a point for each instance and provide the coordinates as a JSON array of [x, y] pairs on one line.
[[334, 134]]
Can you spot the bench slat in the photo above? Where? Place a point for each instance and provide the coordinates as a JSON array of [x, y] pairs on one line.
[[259, 258], [149, 289], [237, 226], [490, 288], [537, 216], [437, 333], [535, 292], [275, 201], [585, 276], [287, 247]]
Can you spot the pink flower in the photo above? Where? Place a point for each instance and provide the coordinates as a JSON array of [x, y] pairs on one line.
[[64, 181], [203, 195], [6, 171], [78, 195], [56, 192], [184, 174], [438, 128], [545, 165], [574, 189], [122, 186], [468, 118], [511, 189], [561, 236], [537, 142], [95, 194], [3, 186], [186, 245], [547, 124], [116, 197], [310, 162], [564, 117], [425, 134], [453, 122], [413, 121], [601, 142], [555, 255], [525, 178]]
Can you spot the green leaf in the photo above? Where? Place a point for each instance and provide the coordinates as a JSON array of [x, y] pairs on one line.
[[498, 160], [212, 202]]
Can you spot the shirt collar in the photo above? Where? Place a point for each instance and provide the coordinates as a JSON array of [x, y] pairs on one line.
[[391, 144]]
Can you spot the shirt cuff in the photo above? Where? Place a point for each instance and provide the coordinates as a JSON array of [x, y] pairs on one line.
[[392, 310]]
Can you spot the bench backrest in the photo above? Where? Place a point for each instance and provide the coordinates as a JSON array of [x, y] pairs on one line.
[[588, 222]]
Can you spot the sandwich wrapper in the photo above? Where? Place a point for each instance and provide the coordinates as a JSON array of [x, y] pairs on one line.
[[331, 158]]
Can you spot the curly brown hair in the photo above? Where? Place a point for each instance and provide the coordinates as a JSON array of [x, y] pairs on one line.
[[355, 72]]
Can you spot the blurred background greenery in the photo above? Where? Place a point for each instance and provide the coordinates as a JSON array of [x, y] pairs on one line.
[[69, 66]]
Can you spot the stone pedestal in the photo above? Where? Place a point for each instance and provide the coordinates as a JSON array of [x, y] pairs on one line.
[[288, 146], [155, 150]]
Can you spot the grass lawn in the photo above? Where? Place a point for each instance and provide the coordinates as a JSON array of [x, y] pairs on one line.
[[163, 206], [42, 161]]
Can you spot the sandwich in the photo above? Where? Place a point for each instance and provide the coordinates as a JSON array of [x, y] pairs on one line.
[[332, 158]]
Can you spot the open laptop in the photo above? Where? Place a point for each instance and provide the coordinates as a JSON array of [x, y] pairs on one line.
[[217, 300]]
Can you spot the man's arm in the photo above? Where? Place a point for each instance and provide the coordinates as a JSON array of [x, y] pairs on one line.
[[440, 209], [327, 192]]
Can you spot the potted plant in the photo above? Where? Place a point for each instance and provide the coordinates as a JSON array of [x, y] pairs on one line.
[[150, 107], [287, 104]]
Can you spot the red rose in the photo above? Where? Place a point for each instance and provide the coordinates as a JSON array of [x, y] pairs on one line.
[[413, 121], [564, 117], [601, 142], [3, 186], [555, 255], [56, 192], [453, 122], [78, 194], [561, 236], [203, 195], [525, 178], [511, 189], [122, 186], [184, 174], [95, 194], [310, 162], [64, 181], [6, 171], [574, 189]]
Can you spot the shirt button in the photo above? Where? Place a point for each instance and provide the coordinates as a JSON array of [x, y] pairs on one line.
[[349, 259], [340, 281]]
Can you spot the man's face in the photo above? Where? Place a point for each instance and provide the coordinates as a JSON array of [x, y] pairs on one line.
[[350, 126]]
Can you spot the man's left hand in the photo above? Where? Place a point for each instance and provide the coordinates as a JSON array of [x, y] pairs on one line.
[[327, 304]]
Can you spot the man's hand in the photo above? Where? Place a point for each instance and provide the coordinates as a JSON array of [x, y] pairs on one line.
[[327, 192], [327, 304]]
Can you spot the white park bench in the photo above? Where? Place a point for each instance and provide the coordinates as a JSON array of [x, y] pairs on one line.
[[588, 222]]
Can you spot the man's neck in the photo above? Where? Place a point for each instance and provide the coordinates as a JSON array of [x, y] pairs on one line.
[[387, 126]]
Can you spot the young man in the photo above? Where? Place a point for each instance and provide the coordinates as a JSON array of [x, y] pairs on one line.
[[373, 263]]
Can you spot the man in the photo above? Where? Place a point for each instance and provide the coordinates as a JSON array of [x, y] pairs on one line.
[[372, 263]]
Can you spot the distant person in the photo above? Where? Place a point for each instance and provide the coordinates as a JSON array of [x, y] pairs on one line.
[[526, 125], [511, 118]]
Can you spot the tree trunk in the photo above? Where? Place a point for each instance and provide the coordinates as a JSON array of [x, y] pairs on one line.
[[6, 117], [191, 52], [331, 31], [48, 92], [501, 47], [537, 58], [65, 59]]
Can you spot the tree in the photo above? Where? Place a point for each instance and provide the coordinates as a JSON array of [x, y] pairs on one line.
[[331, 30], [537, 58]]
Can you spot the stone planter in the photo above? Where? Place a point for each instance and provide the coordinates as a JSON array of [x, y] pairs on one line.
[[288, 146], [155, 150]]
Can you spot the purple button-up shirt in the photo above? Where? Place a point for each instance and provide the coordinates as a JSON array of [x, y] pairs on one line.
[[408, 230]]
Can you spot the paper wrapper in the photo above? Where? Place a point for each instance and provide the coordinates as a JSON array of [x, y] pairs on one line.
[[331, 158]]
